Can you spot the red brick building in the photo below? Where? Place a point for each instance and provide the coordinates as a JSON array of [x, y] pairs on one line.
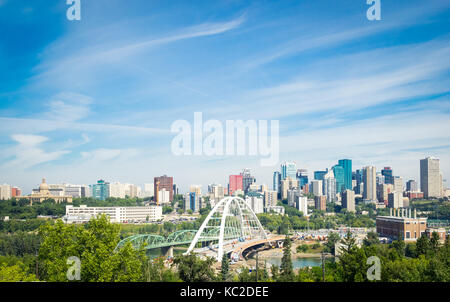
[[163, 182], [401, 225]]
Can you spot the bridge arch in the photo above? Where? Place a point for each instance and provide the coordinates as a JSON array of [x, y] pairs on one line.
[[233, 218]]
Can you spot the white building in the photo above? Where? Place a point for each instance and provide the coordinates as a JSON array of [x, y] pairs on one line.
[[163, 196], [5, 192], [216, 192], [276, 209], [329, 186], [316, 187], [301, 204], [395, 200], [370, 185], [84, 213], [256, 202], [76, 191], [148, 190], [292, 196]]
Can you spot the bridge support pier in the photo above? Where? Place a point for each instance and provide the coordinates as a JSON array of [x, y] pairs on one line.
[[167, 251]]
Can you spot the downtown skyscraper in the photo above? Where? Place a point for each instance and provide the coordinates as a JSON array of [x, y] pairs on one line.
[[430, 177], [370, 184]]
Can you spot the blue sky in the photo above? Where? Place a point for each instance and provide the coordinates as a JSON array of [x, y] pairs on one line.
[[96, 98]]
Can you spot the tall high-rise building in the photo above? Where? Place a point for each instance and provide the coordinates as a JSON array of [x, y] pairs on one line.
[[395, 200], [302, 177], [301, 204], [318, 175], [320, 203], [216, 192], [430, 177], [316, 187], [197, 189], [329, 186], [235, 183], [412, 186], [359, 181], [288, 184], [383, 191], [192, 202], [247, 180], [148, 190], [338, 172], [277, 182], [100, 190], [370, 184], [398, 184], [380, 178], [163, 182], [347, 165], [348, 200], [288, 169], [388, 176]]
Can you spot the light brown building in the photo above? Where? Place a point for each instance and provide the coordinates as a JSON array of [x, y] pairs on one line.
[[320, 203], [401, 225], [45, 194]]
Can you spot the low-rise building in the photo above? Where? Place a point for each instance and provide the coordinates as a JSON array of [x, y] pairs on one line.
[[84, 213], [401, 224], [276, 209]]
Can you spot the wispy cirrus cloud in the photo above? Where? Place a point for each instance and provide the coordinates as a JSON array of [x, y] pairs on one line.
[[29, 152]]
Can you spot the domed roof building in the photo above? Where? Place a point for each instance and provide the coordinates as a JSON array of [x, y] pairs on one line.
[[44, 194]]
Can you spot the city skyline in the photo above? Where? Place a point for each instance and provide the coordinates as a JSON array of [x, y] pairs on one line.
[[95, 99], [228, 178]]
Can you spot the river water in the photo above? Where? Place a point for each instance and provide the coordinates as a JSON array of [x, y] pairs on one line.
[[296, 262]]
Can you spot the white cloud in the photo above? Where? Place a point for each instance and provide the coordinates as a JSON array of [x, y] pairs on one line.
[[67, 106], [104, 154], [28, 152]]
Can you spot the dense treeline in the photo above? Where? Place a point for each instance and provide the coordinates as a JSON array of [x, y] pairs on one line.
[[94, 244], [294, 220], [424, 261], [437, 209], [19, 244], [21, 209]]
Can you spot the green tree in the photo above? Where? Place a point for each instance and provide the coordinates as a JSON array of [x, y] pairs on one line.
[[94, 244], [423, 245], [225, 268], [400, 247], [434, 242], [155, 271], [193, 269], [372, 238], [332, 239], [286, 268], [15, 273]]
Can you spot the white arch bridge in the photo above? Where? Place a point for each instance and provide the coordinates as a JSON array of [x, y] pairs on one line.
[[230, 222]]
